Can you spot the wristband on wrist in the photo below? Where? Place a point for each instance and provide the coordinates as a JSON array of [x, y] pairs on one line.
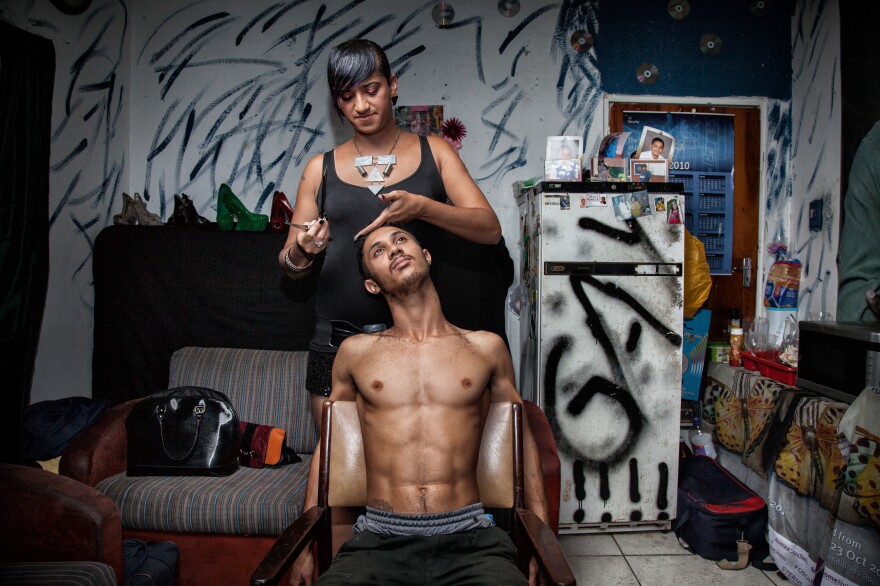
[[292, 267]]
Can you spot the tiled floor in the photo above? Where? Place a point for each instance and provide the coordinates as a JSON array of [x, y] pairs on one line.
[[651, 558]]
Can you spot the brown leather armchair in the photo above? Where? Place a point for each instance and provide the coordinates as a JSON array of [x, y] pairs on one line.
[[46, 517], [342, 482]]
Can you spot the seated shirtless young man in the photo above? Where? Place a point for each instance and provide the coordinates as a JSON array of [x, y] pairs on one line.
[[422, 388]]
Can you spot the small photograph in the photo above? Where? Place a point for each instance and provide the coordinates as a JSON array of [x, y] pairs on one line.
[[655, 145], [562, 170], [674, 210], [622, 208], [640, 204], [614, 169], [594, 200], [648, 171], [563, 159], [563, 147], [565, 202], [613, 144], [422, 120], [659, 204]]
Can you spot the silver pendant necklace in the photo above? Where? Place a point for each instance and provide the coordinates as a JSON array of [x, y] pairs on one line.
[[375, 178]]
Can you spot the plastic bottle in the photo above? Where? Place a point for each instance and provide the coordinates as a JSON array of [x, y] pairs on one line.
[[736, 341], [701, 442]]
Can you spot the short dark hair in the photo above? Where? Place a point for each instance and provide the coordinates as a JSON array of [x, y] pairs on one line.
[[351, 63], [658, 139], [361, 240]]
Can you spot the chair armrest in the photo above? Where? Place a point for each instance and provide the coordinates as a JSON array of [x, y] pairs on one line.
[[550, 466], [101, 451], [289, 545], [48, 517], [546, 549]]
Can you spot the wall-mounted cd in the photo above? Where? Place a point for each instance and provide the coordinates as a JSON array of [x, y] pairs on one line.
[[508, 7], [759, 7], [678, 9], [710, 44], [443, 13], [647, 73], [581, 41]]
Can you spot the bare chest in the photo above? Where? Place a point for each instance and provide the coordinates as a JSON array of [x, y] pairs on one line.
[[440, 374]]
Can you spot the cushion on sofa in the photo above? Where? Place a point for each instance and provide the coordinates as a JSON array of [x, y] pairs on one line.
[[252, 501], [67, 573], [265, 387]]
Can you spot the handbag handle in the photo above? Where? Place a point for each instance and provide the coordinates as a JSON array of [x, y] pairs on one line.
[[198, 412]]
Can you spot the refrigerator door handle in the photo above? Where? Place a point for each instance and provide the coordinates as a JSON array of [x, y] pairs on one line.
[[624, 269]]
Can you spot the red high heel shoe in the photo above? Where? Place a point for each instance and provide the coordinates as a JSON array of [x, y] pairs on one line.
[[282, 212]]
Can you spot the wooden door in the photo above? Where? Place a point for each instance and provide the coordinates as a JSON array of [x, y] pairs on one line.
[[728, 291]]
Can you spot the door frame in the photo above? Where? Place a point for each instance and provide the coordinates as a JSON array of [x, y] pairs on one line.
[[757, 102]]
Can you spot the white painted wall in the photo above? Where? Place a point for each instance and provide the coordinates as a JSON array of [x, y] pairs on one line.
[[816, 146], [511, 86]]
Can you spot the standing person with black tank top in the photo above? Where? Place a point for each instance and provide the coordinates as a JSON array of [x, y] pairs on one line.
[[382, 174]]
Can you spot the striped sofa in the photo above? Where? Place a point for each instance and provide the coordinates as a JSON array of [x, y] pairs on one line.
[[222, 525]]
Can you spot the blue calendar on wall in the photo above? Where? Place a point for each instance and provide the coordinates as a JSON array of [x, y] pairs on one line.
[[703, 162]]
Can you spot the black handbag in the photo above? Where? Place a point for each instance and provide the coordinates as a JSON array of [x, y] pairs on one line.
[[184, 431]]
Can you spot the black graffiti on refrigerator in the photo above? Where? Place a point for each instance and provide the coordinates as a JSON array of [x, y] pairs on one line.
[[580, 490], [615, 291], [662, 490], [604, 491], [634, 495], [634, 236], [635, 332], [578, 402]]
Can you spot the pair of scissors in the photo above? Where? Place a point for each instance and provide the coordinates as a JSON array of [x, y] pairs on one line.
[[322, 198]]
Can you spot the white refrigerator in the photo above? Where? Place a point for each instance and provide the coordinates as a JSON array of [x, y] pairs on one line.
[[601, 344]]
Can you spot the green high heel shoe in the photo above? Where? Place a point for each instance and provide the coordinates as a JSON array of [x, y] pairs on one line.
[[229, 206], [225, 221]]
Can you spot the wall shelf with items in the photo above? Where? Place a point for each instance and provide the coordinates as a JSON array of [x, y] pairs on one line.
[[709, 214]]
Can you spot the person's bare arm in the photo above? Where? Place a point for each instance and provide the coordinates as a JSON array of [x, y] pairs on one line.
[[343, 390], [300, 246], [471, 216]]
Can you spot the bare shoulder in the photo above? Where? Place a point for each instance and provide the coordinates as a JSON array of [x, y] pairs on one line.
[[356, 345], [314, 166], [484, 340], [440, 148]]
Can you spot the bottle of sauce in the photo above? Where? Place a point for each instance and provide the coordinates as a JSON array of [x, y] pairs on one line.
[[736, 341]]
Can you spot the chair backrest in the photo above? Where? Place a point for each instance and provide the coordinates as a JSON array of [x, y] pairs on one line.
[[343, 478], [266, 387]]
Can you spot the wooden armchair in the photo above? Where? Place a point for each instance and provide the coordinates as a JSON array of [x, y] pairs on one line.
[[342, 482]]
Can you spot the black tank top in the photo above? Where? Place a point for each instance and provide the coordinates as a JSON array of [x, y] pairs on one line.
[[349, 208]]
